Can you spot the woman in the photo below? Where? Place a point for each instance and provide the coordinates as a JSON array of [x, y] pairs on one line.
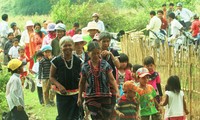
[[64, 74], [25, 40], [36, 39], [51, 34]]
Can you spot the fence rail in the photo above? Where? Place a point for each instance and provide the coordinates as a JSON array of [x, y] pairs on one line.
[[184, 63]]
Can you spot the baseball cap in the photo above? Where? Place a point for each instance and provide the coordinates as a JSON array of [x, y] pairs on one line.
[[179, 4], [14, 64], [78, 38], [129, 86], [141, 72], [46, 47]]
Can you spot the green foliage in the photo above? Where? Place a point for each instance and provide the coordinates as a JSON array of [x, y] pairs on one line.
[[4, 77]]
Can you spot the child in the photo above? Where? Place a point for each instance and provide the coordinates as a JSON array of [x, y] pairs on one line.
[[147, 94], [175, 100], [154, 78], [35, 70], [13, 52], [128, 104], [96, 76], [14, 92], [44, 70], [123, 74], [7, 47], [134, 69]]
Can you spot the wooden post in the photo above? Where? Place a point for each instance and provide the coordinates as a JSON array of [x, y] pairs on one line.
[[190, 81], [170, 61]]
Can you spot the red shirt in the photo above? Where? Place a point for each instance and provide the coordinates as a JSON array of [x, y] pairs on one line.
[[195, 27], [164, 24], [70, 33]]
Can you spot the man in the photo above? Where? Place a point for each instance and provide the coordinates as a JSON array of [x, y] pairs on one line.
[[154, 27], [171, 9], [195, 29], [73, 30], [4, 29], [184, 16], [100, 23], [60, 32], [163, 20], [164, 11]]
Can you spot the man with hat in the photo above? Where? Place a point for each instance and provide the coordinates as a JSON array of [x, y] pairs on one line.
[[184, 15], [92, 29], [60, 32], [100, 24], [51, 34]]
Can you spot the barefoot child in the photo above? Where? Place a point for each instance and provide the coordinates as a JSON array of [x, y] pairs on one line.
[[96, 78], [148, 103], [128, 104], [175, 100], [14, 91]]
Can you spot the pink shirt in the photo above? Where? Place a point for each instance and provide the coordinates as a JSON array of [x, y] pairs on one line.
[[155, 81]]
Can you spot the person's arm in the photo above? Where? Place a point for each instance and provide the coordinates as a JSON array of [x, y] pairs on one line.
[[113, 82], [53, 80], [10, 53], [185, 106], [81, 89], [165, 101], [115, 60], [150, 26], [40, 70]]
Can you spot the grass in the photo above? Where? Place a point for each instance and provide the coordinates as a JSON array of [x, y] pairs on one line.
[[37, 111]]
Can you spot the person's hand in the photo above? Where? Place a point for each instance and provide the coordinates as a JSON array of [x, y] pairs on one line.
[[117, 94], [187, 112], [20, 108], [62, 89], [79, 102], [104, 53], [121, 115]]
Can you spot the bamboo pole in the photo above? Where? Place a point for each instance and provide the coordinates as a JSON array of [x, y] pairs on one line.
[[190, 82]]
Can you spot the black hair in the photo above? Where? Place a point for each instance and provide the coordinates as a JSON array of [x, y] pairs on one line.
[[103, 35], [171, 4], [44, 21], [173, 84], [93, 45], [40, 32], [39, 54], [10, 33], [20, 49], [172, 15], [59, 21], [4, 17], [13, 24], [78, 30], [153, 13], [160, 11], [136, 67], [123, 58], [15, 39], [76, 24], [164, 5], [148, 60]]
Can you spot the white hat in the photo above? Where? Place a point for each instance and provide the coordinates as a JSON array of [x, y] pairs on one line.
[[60, 26], [29, 23], [78, 38], [51, 27], [92, 25]]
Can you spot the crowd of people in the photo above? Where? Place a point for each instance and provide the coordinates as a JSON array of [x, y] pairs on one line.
[[89, 79]]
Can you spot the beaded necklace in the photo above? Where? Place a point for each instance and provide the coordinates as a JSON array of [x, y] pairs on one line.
[[72, 60]]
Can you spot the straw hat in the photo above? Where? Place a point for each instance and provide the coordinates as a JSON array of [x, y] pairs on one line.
[[78, 38], [29, 23], [92, 26]]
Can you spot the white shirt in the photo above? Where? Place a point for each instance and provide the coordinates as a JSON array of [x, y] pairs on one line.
[[36, 70], [185, 14], [24, 38], [154, 25], [4, 29], [14, 92], [100, 25], [13, 52], [175, 104], [175, 28]]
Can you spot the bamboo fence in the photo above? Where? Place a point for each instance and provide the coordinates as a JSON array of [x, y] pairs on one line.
[[185, 64]]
